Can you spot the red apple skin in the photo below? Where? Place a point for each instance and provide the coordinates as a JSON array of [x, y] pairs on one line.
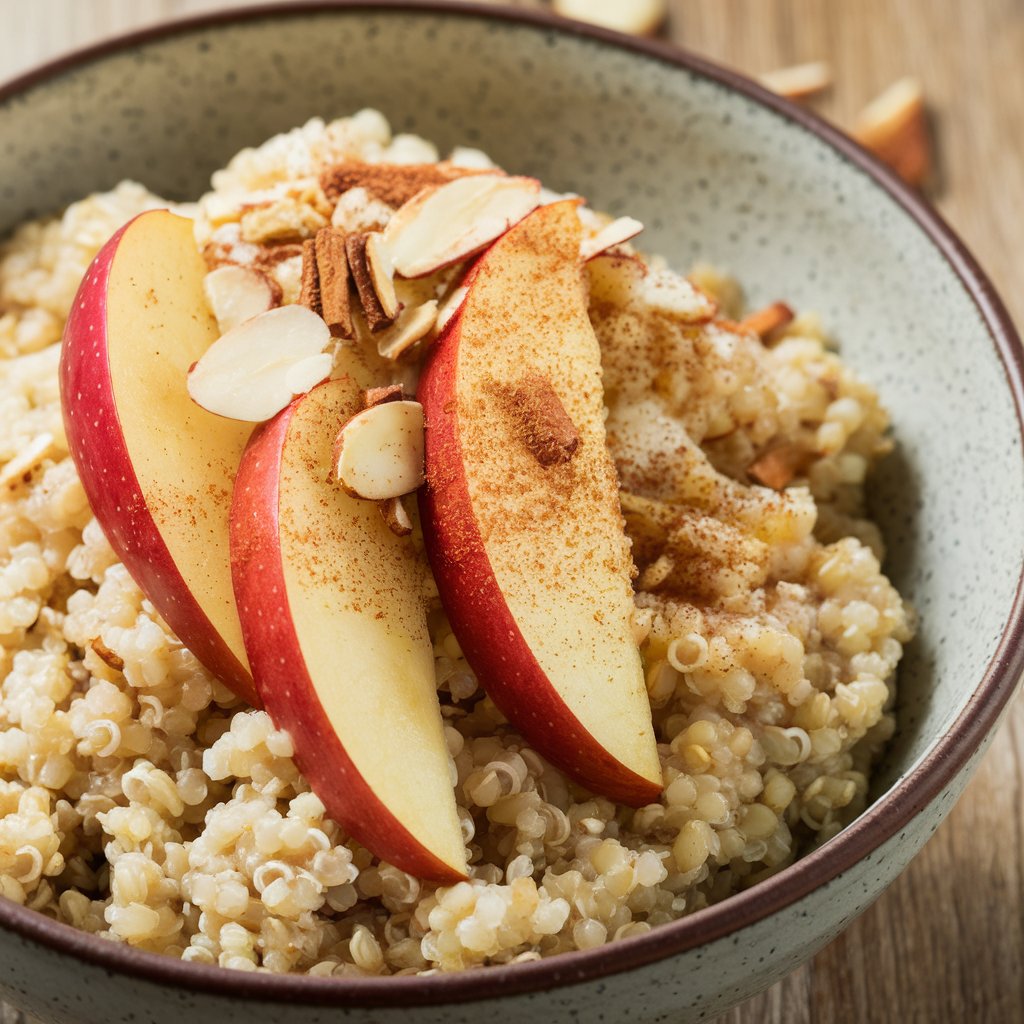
[[284, 681], [500, 655], [101, 457]]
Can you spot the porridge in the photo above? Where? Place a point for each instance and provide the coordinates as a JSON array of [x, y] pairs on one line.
[[143, 801]]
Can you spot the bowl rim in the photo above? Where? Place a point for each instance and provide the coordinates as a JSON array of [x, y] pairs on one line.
[[876, 825]]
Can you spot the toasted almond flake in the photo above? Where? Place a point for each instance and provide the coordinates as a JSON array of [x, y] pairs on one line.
[[236, 294], [449, 223], [254, 370], [450, 306], [778, 465], [290, 219], [799, 81], [414, 323], [378, 263], [378, 396], [376, 318], [766, 322], [396, 516], [895, 128], [333, 280], [19, 470], [615, 233], [378, 453], [115, 661]]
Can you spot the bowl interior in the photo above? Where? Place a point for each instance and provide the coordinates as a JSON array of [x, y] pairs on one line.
[[712, 174]]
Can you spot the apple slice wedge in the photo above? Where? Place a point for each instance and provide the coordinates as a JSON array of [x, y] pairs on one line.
[[157, 469], [521, 512], [332, 609]]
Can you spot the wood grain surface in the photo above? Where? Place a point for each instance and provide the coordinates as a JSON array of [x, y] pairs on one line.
[[946, 942]]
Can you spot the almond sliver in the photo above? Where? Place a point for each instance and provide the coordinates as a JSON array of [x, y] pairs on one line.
[[379, 452], [449, 223], [253, 371], [615, 233]]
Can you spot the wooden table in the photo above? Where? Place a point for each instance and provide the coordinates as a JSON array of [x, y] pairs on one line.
[[946, 942]]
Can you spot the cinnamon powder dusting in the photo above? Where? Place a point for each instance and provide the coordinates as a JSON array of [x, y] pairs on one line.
[[394, 184]]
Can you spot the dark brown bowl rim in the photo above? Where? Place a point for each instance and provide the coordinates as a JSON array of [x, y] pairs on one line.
[[877, 824]]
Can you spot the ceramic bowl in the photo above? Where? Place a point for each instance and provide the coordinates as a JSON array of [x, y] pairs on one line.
[[716, 169]]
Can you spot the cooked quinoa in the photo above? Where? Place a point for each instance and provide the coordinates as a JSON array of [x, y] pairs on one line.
[[141, 801]]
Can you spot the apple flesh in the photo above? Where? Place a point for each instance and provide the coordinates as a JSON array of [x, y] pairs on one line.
[[157, 469], [334, 619], [529, 551]]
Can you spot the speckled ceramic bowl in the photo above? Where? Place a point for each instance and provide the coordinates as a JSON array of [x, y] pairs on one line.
[[715, 168]]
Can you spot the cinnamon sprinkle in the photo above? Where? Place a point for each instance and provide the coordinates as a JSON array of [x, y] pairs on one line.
[[768, 321], [394, 184]]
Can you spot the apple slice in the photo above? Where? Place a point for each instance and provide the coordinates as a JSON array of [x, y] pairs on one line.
[[157, 469], [331, 602], [521, 511]]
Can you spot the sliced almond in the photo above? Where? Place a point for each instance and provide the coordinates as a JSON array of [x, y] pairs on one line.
[[543, 424], [378, 263], [379, 452], [333, 282], [766, 322], [387, 393], [778, 465], [396, 516], [799, 81], [636, 17], [895, 128], [269, 256], [237, 294], [252, 372], [23, 465], [113, 660], [376, 318], [450, 306], [619, 231], [449, 223], [414, 323]]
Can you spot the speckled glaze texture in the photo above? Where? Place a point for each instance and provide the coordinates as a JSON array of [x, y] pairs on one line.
[[714, 173]]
